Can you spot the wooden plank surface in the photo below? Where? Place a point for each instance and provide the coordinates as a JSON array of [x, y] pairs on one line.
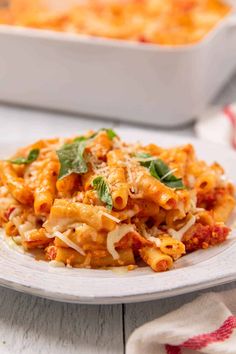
[[30, 325]]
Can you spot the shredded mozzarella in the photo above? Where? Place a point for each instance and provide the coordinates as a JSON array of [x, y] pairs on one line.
[[109, 216], [147, 159], [27, 234], [169, 173], [154, 231], [15, 212], [6, 202], [149, 236], [3, 191], [198, 210], [155, 240], [115, 236], [191, 181], [25, 228], [179, 234], [70, 243]]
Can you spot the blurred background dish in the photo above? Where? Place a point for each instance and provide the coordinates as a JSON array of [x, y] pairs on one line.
[[169, 22], [121, 66]]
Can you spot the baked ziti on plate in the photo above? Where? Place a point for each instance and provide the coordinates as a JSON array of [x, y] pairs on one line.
[[102, 207]]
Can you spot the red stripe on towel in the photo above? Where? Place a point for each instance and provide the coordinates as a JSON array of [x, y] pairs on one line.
[[229, 113], [170, 349], [202, 340]]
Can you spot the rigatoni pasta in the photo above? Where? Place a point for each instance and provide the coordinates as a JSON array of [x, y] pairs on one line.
[[93, 201]]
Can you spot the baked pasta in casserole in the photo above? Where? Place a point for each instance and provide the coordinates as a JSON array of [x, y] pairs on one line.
[[165, 22], [94, 201]]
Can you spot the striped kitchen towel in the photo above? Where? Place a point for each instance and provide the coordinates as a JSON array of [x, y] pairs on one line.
[[206, 325]]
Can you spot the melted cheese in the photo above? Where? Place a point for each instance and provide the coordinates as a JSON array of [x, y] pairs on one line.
[[15, 212], [155, 240], [115, 236], [179, 234], [69, 243], [56, 264], [25, 229]]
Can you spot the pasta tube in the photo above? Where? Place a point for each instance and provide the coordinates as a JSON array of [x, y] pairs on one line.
[[16, 185], [64, 212], [172, 247], [70, 256], [117, 180], [154, 190], [45, 191], [157, 260]]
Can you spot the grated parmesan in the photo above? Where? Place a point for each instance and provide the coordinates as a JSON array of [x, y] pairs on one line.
[[115, 236], [179, 234]]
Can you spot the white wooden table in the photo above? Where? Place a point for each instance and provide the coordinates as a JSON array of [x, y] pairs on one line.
[[30, 325]]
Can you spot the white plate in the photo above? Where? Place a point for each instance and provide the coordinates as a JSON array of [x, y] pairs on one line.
[[196, 271]]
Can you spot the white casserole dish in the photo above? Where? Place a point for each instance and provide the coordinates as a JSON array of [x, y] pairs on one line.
[[150, 84]]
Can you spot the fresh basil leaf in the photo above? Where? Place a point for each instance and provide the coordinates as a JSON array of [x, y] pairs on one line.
[[80, 138], [161, 168], [157, 167], [161, 171], [110, 133], [32, 156], [71, 159], [103, 191], [153, 170], [142, 156], [177, 184]]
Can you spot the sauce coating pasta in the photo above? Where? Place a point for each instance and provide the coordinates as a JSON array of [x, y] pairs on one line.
[[94, 201]]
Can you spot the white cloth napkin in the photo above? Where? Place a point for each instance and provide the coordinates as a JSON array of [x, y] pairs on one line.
[[206, 325], [218, 125]]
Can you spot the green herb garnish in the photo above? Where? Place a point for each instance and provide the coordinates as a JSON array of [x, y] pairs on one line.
[[32, 156], [71, 155], [110, 133], [71, 158], [160, 171], [80, 138], [103, 191]]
